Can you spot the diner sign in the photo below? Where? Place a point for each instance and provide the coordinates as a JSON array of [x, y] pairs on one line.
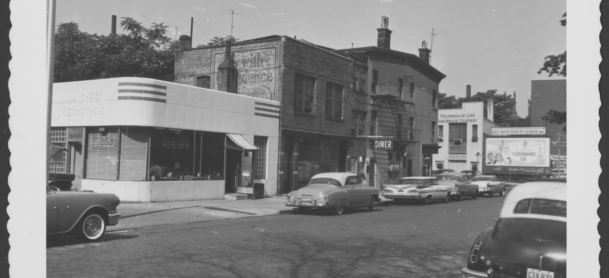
[[175, 143], [457, 118], [383, 144], [499, 131]]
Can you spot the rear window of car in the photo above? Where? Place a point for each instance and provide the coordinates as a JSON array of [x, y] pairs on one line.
[[329, 181], [532, 231], [482, 179], [542, 207]]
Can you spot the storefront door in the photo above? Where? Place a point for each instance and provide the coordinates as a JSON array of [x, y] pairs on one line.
[[233, 170]]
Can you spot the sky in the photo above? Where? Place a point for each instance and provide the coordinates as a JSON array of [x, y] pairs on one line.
[[487, 44]]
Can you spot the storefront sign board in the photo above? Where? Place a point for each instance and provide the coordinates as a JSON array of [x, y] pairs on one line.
[[505, 131], [383, 145], [457, 118]]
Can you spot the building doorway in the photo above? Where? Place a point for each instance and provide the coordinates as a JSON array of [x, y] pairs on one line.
[[233, 170]]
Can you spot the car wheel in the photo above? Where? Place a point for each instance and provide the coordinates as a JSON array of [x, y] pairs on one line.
[[475, 195], [425, 201], [372, 204], [92, 227], [502, 192], [339, 210], [445, 200], [460, 197]]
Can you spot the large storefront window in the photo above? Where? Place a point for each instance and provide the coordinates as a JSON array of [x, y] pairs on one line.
[[186, 155], [103, 144], [316, 156], [134, 153]]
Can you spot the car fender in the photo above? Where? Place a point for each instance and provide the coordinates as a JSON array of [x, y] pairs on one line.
[[89, 209], [339, 196]]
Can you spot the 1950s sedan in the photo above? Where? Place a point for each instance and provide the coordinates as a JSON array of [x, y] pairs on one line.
[[489, 184], [461, 186], [334, 191], [423, 189], [84, 213], [528, 240]]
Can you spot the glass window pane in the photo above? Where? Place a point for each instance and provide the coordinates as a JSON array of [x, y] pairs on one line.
[[134, 153], [102, 153]]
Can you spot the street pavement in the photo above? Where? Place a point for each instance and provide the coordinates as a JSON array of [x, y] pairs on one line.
[[396, 240]]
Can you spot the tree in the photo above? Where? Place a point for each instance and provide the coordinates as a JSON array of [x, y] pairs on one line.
[[556, 64], [445, 101], [217, 41], [143, 52]]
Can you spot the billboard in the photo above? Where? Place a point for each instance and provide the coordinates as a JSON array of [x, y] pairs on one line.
[[517, 152]]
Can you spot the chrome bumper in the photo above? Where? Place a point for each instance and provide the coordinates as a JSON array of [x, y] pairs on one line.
[[113, 218], [402, 196], [468, 273]]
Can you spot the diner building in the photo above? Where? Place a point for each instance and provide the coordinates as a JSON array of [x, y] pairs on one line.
[[148, 140], [461, 136]]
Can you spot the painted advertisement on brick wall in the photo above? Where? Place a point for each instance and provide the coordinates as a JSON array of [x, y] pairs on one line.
[[257, 71]]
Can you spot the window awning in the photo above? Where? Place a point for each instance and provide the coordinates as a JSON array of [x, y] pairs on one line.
[[242, 142]]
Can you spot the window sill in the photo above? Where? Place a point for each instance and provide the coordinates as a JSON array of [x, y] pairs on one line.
[[335, 120], [304, 114]]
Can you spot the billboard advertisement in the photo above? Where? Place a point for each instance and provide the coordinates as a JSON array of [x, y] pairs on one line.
[[516, 154]]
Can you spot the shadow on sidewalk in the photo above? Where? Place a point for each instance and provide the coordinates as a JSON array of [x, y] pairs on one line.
[[155, 211], [70, 240]]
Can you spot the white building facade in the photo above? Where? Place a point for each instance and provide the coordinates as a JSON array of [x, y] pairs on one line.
[[460, 136]]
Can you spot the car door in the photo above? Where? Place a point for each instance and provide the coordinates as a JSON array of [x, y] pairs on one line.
[[355, 197], [440, 190], [426, 189], [52, 212]]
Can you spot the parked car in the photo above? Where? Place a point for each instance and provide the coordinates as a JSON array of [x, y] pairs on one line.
[[489, 184], [461, 186], [82, 212], [529, 238], [334, 191], [437, 172], [471, 173], [423, 189]]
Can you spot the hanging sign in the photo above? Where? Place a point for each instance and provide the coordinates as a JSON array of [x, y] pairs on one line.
[[383, 145]]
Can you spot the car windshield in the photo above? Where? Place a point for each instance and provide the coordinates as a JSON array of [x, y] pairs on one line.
[[329, 181], [449, 178], [482, 179], [418, 181], [542, 206]]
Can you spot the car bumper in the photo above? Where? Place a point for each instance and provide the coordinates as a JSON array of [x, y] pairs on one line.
[[402, 196], [113, 218], [468, 273], [312, 204]]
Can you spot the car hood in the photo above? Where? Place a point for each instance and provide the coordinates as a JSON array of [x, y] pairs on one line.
[[314, 190], [519, 252]]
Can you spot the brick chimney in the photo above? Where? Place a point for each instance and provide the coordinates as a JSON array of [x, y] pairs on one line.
[[185, 42], [113, 32], [468, 91], [384, 37], [227, 72], [424, 52]]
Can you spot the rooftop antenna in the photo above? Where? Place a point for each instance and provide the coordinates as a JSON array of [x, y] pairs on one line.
[[232, 12], [433, 35]]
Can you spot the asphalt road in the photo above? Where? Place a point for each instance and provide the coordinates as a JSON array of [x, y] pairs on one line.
[[393, 241]]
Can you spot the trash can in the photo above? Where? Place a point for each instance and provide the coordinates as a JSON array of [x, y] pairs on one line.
[[258, 191]]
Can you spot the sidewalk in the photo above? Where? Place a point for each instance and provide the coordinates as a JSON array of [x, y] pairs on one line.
[[139, 215]]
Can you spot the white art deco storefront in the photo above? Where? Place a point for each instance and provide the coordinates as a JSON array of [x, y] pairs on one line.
[[147, 140]]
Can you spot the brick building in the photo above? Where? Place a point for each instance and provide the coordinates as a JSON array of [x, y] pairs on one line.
[[549, 95], [317, 91], [334, 103], [403, 92]]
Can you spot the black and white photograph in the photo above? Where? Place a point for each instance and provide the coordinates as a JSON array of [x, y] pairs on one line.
[[269, 138]]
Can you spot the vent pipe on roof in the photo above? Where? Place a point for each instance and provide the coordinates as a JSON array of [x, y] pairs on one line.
[[113, 32]]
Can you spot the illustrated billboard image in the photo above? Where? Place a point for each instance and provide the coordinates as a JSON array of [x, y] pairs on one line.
[[517, 152]]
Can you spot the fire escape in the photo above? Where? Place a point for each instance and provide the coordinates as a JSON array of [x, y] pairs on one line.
[[399, 102]]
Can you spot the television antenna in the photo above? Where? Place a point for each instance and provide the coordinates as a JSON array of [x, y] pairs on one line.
[[232, 14], [433, 35]]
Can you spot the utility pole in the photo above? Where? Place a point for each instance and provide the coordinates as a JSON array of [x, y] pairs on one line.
[[232, 14], [192, 19]]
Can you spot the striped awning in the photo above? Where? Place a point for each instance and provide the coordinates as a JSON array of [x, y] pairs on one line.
[[242, 142]]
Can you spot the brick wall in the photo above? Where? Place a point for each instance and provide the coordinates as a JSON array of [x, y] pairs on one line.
[[547, 95]]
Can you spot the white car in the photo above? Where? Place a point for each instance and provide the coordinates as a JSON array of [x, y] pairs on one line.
[[423, 189], [489, 184]]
